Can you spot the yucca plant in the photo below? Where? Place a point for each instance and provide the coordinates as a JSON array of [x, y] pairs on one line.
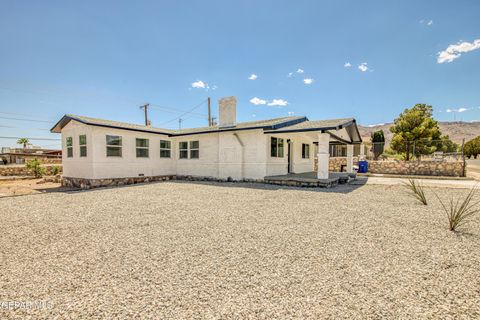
[[458, 213], [416, 190]]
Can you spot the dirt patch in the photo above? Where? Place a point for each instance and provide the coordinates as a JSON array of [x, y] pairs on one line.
[[27, 186]]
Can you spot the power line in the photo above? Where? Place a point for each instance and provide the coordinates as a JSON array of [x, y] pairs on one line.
[[13, 127], [126, 99], [20, 114], [24, 119], [40, 139], [176, 110], [187, 112]]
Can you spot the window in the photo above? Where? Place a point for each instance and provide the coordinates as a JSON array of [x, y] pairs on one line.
[[194, 149], [189, 150], [183, 147], [69, 147], [165, 149], [305, 151], [276, 147], [83, 145], [114, 146], [142, 148]]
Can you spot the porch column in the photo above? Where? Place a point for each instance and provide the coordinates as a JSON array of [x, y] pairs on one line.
[[362, 151], [349, 158], [323, 155]]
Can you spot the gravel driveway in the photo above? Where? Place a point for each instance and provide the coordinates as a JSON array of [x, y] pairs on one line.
[[192, 250]]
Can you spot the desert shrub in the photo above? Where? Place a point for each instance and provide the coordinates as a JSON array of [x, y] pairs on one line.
[[54, 170], [416, 190], [458, 213], [36, 167]]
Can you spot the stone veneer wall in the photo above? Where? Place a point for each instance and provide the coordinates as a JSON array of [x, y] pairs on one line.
[[421, 168], [17, 170], [335, 163], [96, 183]]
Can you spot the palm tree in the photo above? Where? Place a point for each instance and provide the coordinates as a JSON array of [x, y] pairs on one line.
[[23, 141]]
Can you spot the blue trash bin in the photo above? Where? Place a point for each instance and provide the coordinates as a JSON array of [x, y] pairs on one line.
[[363, 166]]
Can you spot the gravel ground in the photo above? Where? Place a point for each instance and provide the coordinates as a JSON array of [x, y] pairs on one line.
[[192, 250]]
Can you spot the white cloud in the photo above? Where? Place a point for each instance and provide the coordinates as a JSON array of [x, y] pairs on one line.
[[347, 65], [375, 125], [278, 102], [199, 84], [290, 113], [308, 81], [214, 87], [257, 101], [253, 76], [460, 110], [429, 23], [300, 70], [454, 51], [290, 74], [363, 67]]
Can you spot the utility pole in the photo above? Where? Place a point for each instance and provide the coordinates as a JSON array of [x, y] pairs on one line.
[[464, 167], [145, 109], [179, 123], [209, 114]]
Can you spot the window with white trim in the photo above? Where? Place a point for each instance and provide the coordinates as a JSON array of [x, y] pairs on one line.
[[194, 149], [276, 147], [189, 149], [114, 146], [183, 150], [305, 151], [141, 147], [82, 141], [165, 148], [69, 143]]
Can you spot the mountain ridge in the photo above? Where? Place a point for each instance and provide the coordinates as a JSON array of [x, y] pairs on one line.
[[456, 130]]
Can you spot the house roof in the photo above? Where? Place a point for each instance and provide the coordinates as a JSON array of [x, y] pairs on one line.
[[277, 125], [105, 123], [261, 124], [318, 125]]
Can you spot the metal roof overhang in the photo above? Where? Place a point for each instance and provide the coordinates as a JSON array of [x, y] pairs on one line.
[[350, 128]]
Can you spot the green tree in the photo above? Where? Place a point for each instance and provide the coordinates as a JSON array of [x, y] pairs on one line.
[[446, 145], [472, 148], [24, 142], [378, 143], [414, 130], [36, 167]]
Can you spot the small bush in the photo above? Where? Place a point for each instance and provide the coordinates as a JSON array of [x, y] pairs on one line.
[[458, 213], [54, 170], [36, 167], [417, 190]]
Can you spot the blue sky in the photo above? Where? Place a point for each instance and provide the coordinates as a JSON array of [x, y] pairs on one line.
[[105, 58]]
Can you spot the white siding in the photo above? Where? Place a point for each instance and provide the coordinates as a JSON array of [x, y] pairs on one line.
[[235, 154]]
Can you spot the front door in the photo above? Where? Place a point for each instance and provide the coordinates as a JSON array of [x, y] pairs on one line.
[[289, 155]]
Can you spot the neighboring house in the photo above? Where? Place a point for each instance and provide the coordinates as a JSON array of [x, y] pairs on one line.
[[95, 150], [20, 155]]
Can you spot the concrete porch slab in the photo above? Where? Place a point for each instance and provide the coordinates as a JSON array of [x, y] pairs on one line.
[[309, 179]]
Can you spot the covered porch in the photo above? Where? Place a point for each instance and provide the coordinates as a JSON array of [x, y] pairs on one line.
[[320, 135]]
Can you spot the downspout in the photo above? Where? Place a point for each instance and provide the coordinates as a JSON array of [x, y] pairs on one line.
[[243, 154]]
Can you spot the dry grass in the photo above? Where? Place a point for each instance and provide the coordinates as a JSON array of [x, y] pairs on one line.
[[458, 212], [417, 190]]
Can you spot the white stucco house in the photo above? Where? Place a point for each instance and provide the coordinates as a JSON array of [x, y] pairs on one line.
[[95, 150]]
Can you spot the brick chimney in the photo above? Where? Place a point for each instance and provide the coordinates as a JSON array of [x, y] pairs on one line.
[[227, 112]]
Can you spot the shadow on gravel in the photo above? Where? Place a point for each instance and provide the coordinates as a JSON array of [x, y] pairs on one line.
[[341, 188]]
